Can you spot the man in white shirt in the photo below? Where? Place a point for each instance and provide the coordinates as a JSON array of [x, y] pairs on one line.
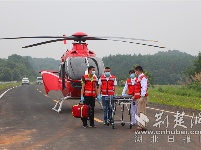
[[141, 95], [107, 87], [130, 85]]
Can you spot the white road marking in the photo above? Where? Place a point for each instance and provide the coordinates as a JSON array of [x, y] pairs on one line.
[[7, 91], [167, 111], [4, 93]]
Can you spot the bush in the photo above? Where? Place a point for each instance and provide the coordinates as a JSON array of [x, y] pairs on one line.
[[195, 85], [160, 89], [196, 82]]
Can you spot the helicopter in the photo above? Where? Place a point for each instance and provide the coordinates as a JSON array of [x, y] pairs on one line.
[[74, 63]]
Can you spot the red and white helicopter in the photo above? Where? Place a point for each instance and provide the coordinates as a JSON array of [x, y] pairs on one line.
[[74, 64]]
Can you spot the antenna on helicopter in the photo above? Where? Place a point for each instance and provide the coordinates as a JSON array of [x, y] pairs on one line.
[[65, 43]]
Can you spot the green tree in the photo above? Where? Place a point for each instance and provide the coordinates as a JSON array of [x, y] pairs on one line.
[[6, 75], [15, 68], [164, 67], [197, 64]]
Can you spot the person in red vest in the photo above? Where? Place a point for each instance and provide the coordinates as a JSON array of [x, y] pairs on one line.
[[107, 87], [140, 94], [88, 94], [129, 86]]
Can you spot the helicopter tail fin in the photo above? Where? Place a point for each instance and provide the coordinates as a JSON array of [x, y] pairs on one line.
[[51, 81]]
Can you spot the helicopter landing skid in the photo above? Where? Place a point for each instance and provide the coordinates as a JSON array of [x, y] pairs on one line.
[[60, 103]]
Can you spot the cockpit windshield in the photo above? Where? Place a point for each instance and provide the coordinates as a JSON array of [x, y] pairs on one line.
[[76, 66]]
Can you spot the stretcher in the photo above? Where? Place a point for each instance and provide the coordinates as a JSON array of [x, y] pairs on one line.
[[125, 104]]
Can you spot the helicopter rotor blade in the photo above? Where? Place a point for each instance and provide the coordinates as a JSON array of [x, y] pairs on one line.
[[66, 38], [92, 38], [83, 38], [51, 41], [40, 37], [137, 43], [110, 37]]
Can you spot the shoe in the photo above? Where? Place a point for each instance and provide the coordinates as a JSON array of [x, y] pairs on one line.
[[141, 128], [105, 122], [85, 127], [144, 129], [92, 126]]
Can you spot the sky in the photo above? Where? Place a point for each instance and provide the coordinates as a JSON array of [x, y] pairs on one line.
[[174, 24]]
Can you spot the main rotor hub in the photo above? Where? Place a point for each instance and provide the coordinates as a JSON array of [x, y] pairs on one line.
[[79, 34]]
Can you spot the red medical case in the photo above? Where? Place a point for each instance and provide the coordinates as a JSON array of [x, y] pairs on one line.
[[81, 111]]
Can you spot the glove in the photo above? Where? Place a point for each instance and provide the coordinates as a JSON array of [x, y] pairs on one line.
[[124, 95], [82, 98], [114, 96], [99, 97]]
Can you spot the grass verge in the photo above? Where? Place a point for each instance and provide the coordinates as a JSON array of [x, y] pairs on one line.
[[178, 96], [9, 85]]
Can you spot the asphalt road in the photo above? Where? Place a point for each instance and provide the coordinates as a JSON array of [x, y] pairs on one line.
[[28, 122]]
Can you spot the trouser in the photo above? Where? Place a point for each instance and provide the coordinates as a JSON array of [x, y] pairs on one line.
[[134, 106], [142, 102], [107, 108], [89, 100]]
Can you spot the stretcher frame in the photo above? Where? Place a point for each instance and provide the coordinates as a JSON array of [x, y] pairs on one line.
[[124, 102]]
